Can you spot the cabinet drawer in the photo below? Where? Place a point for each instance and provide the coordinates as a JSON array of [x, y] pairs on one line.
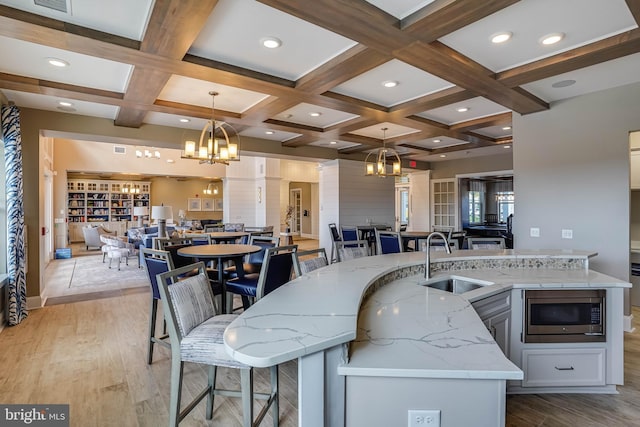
[[563, 367]]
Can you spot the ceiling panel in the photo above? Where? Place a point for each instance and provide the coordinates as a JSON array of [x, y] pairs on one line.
[[273, 135], [83, 70], [476, 108], [495, 131], [582, 21], [610, 74], [393, 131], [400, 8], [125, 18], [234, 32], [50, 103], [301, 114], [411, 83], [439, 142]]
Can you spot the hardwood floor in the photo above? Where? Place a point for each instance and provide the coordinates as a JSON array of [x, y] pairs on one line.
[[92, 355]]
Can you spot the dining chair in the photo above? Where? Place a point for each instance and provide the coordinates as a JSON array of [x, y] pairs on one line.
[[172, 245], [276, 271], [351, 249], [335, 237], [309, 260], [444, 229], [437, 244], [196, 333], [155, 262], [388, 242], [349, 232], [486, 243], [253, 262]]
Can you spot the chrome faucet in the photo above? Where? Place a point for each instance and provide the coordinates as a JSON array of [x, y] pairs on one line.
[[427, 264]]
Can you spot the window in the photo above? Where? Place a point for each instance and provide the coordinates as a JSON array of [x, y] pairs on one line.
[[505, 201], [475, 207]]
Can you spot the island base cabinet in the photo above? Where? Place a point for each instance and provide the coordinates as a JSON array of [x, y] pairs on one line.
[[386, 401], [564, 367]]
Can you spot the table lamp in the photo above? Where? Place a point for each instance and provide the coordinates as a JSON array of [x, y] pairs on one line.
[[182, 215], [162, 214], [140, 212]]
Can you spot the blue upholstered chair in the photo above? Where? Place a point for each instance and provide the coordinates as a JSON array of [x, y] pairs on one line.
[[307, 261], [388, 242], [155, 262], [196, 332], [335, 237], [253, 262], [349, 233], [276, 271]]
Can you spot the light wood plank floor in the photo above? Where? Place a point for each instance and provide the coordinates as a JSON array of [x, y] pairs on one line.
[[92, 355]]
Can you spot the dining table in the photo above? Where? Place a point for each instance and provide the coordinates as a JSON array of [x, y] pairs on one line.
[[221, 253], [415, 236], [227, 236]]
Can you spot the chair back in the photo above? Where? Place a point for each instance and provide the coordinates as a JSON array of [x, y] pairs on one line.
[[187, 302], [349, 233], [403, 227], [202, 239], [265, 242], [233, 226], [156, 262], [210, 228], [486, 243], [437, 244], [302, 264], [388, 242], [335, 234], [276, 269], [163, 242], [352, 249], [444, 229]]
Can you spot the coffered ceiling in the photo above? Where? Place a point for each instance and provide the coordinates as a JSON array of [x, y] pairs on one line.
[[147, 61]]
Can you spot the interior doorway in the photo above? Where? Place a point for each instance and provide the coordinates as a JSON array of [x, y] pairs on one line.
[[402, 207], [295, 200]]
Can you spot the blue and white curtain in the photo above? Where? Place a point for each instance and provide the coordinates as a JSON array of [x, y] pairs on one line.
[[17, 290]]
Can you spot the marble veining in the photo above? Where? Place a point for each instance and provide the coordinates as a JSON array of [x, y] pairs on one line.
[[320, 310]]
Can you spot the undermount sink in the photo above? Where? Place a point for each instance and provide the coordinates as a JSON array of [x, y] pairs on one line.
[[455, 284]]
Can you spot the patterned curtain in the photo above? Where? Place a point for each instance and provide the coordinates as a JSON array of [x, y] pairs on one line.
[[17, 290]]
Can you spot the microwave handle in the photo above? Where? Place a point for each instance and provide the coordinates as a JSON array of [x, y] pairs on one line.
[[570, 368]]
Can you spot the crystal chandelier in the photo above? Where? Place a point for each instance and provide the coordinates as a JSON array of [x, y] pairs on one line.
[[212, 149], [376, 162]]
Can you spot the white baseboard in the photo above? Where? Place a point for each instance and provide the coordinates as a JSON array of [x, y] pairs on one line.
[[34, 303], [628, 323]]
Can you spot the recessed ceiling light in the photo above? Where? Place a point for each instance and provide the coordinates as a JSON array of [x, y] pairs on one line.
[[56, 62], [315, 114], [170, 161], [333, 142], [65, 103], [501, 37], [390, 83], [269, 132], [507, 146], [506, 128], [271, 42], [563, 83], [443, 155], [437, 140], [552, 38], [462, 109], [185, 120]]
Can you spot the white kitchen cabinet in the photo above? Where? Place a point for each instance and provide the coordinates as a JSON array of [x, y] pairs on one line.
[[563, 367], [495, 312]]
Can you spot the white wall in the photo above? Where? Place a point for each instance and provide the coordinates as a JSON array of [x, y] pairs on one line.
[[419, 214], [571, 167]]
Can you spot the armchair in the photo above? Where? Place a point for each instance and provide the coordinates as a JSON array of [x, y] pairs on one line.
[[92, 235]]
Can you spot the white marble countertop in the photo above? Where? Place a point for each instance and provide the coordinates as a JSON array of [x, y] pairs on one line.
[[320, 310]]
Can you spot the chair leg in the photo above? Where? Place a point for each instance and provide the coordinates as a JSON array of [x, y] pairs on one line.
[[176, 391], [152, 329], [246, 387], [212, 389], [275, 405]]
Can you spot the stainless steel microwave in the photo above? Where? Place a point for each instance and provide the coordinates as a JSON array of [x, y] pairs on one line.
[[564, 315]]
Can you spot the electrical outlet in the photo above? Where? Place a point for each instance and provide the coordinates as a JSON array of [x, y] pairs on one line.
[[424, 418], [534, 232], [567, 234]]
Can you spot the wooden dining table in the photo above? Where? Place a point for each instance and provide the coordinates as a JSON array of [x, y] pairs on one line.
[[221, 253], [227, 236]]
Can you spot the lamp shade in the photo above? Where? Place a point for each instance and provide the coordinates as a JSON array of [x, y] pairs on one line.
[[161, 212], [182, 213], [140, 210]]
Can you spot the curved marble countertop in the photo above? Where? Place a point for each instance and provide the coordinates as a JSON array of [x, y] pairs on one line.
[[320, 310]]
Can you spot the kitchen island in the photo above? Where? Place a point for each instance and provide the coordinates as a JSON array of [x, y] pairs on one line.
[[330, 320]]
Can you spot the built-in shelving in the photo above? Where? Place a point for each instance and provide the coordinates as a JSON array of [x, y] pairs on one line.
[[105, 201]]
